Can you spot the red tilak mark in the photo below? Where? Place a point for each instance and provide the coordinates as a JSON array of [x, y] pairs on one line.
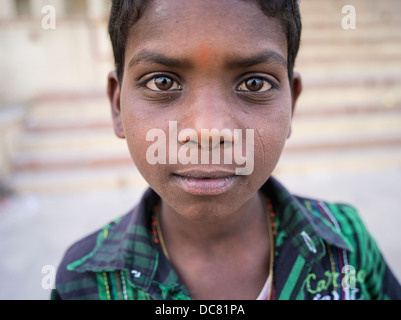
[[204, 54]]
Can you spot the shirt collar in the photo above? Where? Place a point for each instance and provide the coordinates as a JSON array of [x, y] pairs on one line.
[[304, 225]]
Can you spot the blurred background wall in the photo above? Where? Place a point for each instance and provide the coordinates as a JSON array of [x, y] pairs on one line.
[[63, 173]]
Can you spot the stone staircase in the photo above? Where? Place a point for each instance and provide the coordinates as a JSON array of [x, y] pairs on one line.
[[348, 118], [68, 144]]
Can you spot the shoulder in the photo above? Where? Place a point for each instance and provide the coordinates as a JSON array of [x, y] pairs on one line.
[[364, 256], [345, 221], [80, 248], [342, 218], [86, 260], [78, 284], [75, 285]]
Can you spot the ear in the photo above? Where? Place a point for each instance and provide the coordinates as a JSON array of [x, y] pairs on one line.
[[113, 92], [296, 89]]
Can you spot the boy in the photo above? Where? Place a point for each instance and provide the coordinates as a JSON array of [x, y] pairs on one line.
[[215, 78]]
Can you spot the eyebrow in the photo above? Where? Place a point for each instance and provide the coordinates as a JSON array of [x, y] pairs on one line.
[[263, 57], [146, 56]]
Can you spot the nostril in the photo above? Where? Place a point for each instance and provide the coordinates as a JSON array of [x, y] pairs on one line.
[[214, 138], [237, 136], [209, 139], [188, 135]]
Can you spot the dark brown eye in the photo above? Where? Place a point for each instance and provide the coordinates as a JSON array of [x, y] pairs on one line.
[[163, 84], [255, 85]]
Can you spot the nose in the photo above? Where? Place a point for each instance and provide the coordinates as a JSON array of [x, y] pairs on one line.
[[209, 120]]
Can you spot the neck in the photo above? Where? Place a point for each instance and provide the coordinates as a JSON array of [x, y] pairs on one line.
[[240, 227]]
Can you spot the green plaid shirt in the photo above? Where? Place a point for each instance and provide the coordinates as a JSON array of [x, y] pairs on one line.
[[322, 251]]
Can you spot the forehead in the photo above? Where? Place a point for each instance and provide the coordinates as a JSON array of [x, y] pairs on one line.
[[179, 27]]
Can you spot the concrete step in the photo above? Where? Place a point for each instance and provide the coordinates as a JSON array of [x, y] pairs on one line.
[[55, 112], [352, 52], [69, 139], [351, 160], [351, 126], [77, 180], [348, 99], [368, 34], [90, 158]]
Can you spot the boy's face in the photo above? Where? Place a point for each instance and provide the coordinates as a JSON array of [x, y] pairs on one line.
[[205, 64]]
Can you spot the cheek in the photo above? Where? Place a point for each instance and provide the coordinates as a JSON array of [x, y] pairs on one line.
[[138, 147], [136, 129], [270, 140]]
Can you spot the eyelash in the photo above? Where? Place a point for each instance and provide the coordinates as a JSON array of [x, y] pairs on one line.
[[143, 83], [266, 80]]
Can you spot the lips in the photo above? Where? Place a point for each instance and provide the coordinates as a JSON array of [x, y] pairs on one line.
[[205, 183]]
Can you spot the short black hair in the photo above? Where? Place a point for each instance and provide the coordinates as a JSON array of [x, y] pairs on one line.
[[125, 13]]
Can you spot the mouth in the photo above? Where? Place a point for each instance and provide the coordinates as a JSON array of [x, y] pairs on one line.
[[205, 183]]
